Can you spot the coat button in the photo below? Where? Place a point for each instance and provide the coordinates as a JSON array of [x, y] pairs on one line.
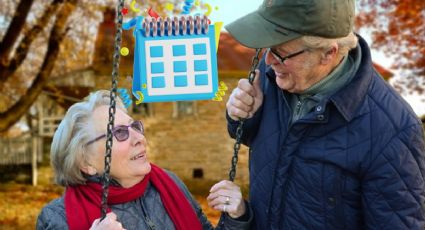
[[320, 117], [319, 108]]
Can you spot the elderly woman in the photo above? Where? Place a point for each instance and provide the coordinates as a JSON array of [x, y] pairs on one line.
[[141, 195]]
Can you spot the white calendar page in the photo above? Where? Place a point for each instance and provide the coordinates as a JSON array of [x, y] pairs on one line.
[[175, 67]]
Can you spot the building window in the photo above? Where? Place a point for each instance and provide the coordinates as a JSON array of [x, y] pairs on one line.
[[198, 173]]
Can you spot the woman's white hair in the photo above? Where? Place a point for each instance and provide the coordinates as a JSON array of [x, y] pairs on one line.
[[68, 150], [345, 44]]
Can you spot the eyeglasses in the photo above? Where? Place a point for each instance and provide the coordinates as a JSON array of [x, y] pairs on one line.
[[283, 59], [121, 132]]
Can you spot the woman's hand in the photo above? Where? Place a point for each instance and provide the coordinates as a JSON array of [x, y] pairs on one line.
[[109, 223], [226, 196]]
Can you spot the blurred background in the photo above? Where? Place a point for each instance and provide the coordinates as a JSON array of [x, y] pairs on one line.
[[53, 53]]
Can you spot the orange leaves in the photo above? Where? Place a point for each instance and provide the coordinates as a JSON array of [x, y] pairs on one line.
[[398, 29]]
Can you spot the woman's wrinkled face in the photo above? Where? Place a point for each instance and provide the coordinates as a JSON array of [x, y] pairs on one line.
[[129, 158]]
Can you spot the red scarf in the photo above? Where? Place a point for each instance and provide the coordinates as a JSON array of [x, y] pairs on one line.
[[82, 202]]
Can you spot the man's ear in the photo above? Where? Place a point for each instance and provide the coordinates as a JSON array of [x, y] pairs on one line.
[[330, 54]]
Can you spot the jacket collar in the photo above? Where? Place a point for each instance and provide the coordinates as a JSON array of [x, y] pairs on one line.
[[348, 99]]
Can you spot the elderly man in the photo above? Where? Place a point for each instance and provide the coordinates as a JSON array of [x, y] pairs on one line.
[[332, 145]]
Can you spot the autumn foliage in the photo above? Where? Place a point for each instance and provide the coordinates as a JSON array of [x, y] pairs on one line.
[[398, 30]]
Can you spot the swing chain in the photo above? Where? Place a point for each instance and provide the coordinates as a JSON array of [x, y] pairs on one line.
[[109, 139], [239, 129]]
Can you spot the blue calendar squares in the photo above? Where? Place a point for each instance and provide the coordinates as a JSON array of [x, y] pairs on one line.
[[156, 51], [201, 79], [157, 67], [176, 66], [179, 66], [201, 65], [179, 50], [158, 82], [199, 49], [180, 81]]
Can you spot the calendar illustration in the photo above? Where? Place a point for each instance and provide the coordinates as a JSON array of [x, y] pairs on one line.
[[174, 59]]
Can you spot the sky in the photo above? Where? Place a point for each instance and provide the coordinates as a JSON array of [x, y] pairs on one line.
[[230, 10]]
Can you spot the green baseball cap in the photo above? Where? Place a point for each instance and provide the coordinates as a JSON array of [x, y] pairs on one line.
[[279, 21]]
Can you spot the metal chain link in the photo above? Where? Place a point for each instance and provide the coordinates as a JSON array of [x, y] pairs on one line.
[[239, 129], [109, 140]]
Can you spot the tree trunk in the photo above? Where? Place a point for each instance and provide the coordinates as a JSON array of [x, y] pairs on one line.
[[13, 114]]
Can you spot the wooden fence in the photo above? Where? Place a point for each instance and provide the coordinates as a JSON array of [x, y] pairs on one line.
[[27, 149], [17, 150]]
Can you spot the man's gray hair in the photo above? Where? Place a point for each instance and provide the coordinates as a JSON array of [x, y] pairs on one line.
[[68, 150], [345, 44]]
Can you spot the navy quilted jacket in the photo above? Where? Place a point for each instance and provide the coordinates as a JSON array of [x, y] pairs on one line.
[[356, 162]]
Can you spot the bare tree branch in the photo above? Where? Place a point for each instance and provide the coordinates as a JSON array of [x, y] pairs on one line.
[[13, 114], [29, 37], [13, 31]]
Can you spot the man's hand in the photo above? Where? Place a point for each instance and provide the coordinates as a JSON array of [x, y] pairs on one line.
[[245, 99]]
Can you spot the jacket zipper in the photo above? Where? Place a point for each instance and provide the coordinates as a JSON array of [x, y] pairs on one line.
[[149, 222]]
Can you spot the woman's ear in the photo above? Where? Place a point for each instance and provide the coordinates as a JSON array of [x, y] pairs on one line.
[[88, 169]]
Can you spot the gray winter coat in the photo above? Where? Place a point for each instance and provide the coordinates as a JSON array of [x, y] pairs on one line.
[[146, 212]]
